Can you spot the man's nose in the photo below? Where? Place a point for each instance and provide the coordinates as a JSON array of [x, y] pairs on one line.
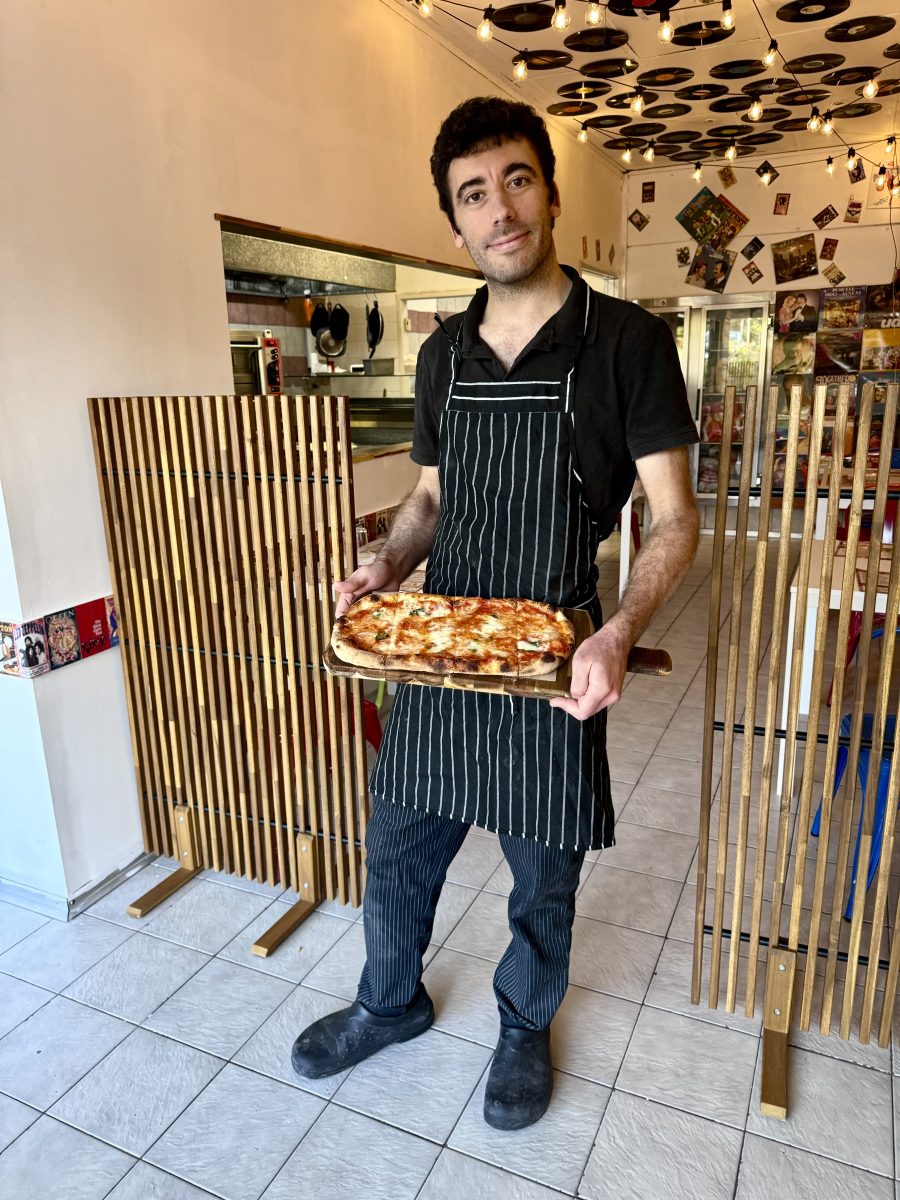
[[502, 208]]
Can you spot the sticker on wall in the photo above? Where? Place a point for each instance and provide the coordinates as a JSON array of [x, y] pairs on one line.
[[638, 219], [597, 251], [728, 177], [753, 248], [648, 192], [782, 204], [752, 271], [834, 274], [683, 254], [93, 635], [854, 208], [612, 253], [795, 258], [9, 663], [825, 217], [63, 641], [711, 268], [31, 648], [797, 312], [767, 173], [112, 620], [858, 174], [829, 246], [584, 247]]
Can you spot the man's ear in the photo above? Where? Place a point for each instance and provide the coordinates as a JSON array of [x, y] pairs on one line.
[[555, 203], [456, 235]]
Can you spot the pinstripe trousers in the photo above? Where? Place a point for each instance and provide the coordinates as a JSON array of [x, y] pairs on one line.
[[408, 853]]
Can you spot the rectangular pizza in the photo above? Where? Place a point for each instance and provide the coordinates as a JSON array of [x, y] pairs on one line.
[[444, 634]]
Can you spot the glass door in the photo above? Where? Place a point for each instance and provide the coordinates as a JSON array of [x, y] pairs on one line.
[[734, 351]]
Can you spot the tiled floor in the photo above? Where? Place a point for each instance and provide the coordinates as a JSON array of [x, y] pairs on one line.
[[149, 1059]]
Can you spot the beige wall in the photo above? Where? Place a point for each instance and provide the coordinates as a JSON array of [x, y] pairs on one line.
[[128, 126]]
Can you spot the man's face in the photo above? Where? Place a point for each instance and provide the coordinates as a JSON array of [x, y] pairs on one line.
[[503, 210]]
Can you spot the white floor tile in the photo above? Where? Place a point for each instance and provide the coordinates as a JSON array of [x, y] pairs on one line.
[[54, 1162], [136, 977], [18, 1000], [297, 954], [58, 952], [628, 898], [144, 1182], [15, 1118], [456, 1176], [16, 923], [770, 1169]]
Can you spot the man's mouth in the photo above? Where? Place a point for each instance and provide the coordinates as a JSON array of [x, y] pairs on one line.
[[510, 242]]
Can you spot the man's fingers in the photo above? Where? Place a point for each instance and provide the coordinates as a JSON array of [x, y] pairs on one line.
[[581, 669]]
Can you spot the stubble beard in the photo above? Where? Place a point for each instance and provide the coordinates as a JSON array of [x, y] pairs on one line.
[[506, 280]]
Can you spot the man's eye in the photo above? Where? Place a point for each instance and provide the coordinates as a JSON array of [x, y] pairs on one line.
[[471, 197], [518, 181]]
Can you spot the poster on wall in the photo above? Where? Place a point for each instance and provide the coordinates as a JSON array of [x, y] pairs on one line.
[[881, 197], [795, 258], [880, 350], [782, 204], [842, 308], [825, 216], [793, 354], [62, 638], [639, 220], [854, 208], [753, 248], [882, 306], [797, 311], [829, 247], [9, 663], [834, 274], [881, 381], [93, 634], [752, 271], [838, 352], [31, 649], [727, 176], [711, 268], [833, 384], [711, 220]]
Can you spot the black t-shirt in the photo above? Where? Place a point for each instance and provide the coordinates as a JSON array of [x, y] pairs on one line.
[[629, 394]]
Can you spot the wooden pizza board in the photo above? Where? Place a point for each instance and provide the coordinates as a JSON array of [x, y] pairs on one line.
[[641, 661]]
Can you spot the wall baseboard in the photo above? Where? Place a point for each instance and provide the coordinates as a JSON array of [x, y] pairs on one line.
[[59, 907]]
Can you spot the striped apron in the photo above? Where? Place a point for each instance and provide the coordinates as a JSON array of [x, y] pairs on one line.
[[513, 522]]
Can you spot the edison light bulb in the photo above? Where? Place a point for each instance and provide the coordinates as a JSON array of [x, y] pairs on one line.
[[520, 69], [583, 134], [814, 124], [870, 89], [485, 29], [626, 154], [828, 124], [851, 159], [881, 178], [727, 20], [649, 152], [771, 54], [561, 19], [698, 172], [637, 101], [424, 7], [829, 165], [890, 146], [755, 111], [666, 32], [766, 178], [593, 14], [731, 152]]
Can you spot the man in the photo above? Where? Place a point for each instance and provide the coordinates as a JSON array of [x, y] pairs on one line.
[[531, 408]]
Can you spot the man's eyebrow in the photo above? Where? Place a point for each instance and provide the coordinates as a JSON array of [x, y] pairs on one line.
[[512, 169]]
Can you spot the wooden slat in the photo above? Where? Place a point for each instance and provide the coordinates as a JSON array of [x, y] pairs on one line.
[[712, 662]]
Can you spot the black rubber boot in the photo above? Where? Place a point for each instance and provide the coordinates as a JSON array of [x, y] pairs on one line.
[[346, 1037], [520, 1082]]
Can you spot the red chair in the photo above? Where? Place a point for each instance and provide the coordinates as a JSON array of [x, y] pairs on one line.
[[371, 724]]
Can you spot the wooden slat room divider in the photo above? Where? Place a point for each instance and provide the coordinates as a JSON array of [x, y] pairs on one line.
[[227, 520], [768, 888]]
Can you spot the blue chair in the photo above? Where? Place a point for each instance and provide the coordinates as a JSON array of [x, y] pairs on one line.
[[862, 770]]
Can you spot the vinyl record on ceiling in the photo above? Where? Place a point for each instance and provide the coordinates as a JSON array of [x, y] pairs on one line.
[[701, 91], [621, 143], [767, 86], [609, 68], [792, 125], [571, 108], [730, 104], [886, 87], [680, 135], [892, 51], [727, 132], [811, 64], [848, 75], [623, 100], [858, 29], [546, 60], [712, 145], [689, 156], [738, 68], [856, 108], [743, 150], [595, 41], [769, 115], [802, 11], [666, 112], [634, 8], [645, 129], [523, 18], [665, 77], [804, 97], [586, 89], [607, 121], [700, 33], [763, 138]]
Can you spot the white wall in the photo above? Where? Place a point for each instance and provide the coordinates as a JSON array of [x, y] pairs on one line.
[[134, 124], [865, 251]]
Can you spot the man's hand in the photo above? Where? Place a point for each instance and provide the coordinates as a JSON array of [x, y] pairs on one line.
[[379, 576], [598, 671]]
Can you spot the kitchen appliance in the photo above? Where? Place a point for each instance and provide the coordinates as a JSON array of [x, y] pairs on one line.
[[255, 362]]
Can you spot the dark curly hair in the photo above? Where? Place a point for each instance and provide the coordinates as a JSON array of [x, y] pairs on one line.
[[482, 122]]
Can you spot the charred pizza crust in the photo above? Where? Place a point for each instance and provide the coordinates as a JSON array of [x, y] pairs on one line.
[[415, 631]]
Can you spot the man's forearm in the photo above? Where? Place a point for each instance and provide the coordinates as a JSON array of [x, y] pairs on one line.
[[412, 533], [667, 553]]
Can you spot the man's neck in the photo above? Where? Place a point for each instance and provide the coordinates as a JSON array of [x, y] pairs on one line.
[[531, 301]]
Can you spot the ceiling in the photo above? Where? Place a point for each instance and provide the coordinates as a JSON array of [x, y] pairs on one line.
[[855, 35]]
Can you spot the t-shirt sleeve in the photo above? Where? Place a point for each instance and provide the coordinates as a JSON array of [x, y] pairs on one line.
[[655, 407], [425, 425]]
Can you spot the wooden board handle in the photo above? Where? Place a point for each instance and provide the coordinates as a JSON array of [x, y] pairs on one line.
[[646, 660]]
